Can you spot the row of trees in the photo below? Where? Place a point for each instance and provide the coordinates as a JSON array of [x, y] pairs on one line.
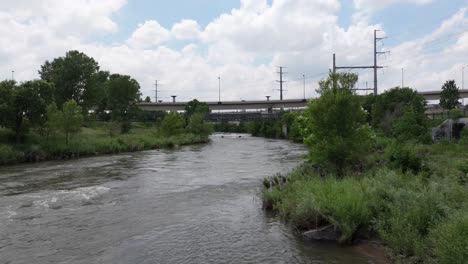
[[74, 80]]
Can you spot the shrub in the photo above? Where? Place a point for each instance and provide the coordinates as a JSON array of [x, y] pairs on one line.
[[336, 130], [405, 157], [173, 124], [9, 155], [450, 240]]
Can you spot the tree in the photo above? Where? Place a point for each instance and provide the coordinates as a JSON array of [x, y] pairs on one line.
[[23, 104], [198, 126], [338, 81], [410, 127], [72, 76], [172, 124], [147, 99], [70, 119], [390, 105], [123, 93], [195, 106], [450, 95], [334, 127]]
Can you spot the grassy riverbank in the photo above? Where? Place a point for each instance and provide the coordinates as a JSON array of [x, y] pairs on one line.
[[103, 138], [422, 216]]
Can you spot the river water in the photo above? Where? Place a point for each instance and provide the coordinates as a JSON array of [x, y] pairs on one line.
[[196, 204]]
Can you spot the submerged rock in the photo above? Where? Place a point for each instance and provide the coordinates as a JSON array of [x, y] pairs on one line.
[[329, 232]]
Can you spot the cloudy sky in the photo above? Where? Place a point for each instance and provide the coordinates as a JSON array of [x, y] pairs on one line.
[[187, 44]]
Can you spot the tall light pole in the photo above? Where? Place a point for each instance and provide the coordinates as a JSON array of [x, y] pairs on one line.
[[303, 77], [219, 89], [463, 82], [402, 77], [12, 75]]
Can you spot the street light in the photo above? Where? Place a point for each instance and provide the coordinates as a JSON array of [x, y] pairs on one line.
[[219, 89], [12, 75]]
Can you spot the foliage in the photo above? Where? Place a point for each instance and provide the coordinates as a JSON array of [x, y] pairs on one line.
[[266, 128], [335, 81], [411, 126], [456, 114], [292, 120], [450, 96], [198, 126], [68, 121], [406, 158], [172, 124], [72, 76], [147, 99], [194, 107], [450, 240], [24, 104], [390, 105], [335, 129], [123, 93]]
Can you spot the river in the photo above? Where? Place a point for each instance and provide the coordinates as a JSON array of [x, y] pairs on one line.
[[196, 204]]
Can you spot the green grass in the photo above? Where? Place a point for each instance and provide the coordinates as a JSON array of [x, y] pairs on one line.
[[423, 216], [100, 139]]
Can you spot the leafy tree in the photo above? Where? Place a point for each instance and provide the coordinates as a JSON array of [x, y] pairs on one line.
[[53, 120], [147, 99], [390, 105], [24, 104], [69, 120], [198, 126], [410, 127], [195, 106], [338, 81], [72, 76], [96, 95], [334, 127], [450, 96], [123, 93], [172, 124]]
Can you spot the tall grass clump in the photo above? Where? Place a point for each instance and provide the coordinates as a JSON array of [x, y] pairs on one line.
[[450, 240]]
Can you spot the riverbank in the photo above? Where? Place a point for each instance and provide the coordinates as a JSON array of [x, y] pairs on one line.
[[96, 140], [414, 200]]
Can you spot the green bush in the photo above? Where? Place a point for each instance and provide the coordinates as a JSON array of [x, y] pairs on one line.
[[405, 157], [336, 131], [450, 240], [9, 155]]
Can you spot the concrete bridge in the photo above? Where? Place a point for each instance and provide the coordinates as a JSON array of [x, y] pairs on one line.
[[268, 105]]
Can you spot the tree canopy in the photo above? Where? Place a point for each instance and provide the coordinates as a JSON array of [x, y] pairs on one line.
[[450, 95], [72, 76], [334, 126], [24, 102], [123, 93]]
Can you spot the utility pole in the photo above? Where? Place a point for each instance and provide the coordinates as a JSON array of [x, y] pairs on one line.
[[303, 76], [281, 73], [376, 53], [375, 67], [156, 92]]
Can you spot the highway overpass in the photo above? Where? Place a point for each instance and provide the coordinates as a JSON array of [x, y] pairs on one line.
[[267, 105], [229, 105]]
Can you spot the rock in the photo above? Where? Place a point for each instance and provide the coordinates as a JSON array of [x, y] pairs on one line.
[[329, 232]]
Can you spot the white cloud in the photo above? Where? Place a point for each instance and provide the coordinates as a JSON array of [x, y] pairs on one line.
[[186, 30], [243, 47], [148, 35], [376, 5]]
